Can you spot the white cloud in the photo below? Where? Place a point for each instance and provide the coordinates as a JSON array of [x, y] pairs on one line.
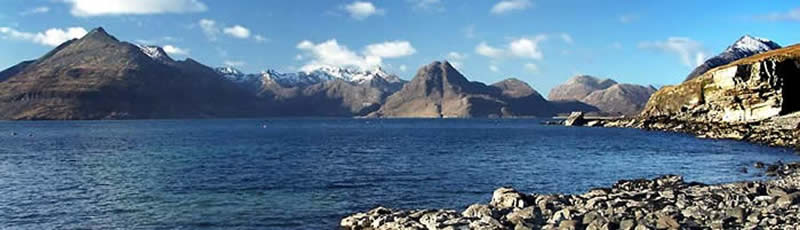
[[391, 49], [237, 31], [628, 18], [230, 63], [690, 52], [520, 48], [37, 10], [89, 8], [792, 15], [506, 6], [530, 67], [331, 53], [209, 28], [432, 5], [494, 68], [403, 68], [566, 38], [50, 37], [212, 29], [174, 50], [361, 10], [260, 38], [486, 50]]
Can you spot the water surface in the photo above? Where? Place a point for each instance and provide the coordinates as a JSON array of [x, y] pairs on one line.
[[308, 173]]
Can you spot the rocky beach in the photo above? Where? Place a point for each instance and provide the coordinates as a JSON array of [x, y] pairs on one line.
[[666, 202], [750, 100]]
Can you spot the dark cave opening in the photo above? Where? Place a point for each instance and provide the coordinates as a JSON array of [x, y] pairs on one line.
[[790, 70]]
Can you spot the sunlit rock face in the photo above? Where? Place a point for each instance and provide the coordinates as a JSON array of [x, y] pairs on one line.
[[748, 90]]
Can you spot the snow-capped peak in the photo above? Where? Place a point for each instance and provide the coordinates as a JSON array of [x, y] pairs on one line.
[[753, 44], [227, 70], [353, 75], [155, 52]]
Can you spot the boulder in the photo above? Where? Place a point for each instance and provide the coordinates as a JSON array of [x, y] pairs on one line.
[[575, 119]]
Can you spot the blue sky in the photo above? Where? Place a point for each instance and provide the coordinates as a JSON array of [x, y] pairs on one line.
[[543, 42]]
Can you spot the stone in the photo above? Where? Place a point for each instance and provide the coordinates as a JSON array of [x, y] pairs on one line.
[[787, 200], [627, 224], [478, 211], [667, 222], [522, 215], [737, 213], [575, 119], [508, 198], [567, 225]]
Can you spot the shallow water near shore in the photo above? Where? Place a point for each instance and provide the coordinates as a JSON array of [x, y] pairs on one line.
[[309, 173]]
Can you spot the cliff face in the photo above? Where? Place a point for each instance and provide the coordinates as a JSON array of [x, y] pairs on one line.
[[748, 90]]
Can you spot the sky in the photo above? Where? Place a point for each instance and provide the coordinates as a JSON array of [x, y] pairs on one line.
[[542, 42]]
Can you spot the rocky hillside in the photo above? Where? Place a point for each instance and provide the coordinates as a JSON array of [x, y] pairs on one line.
[[325, 91], [605, 94], [439, 90], [750, 89], [100, 77], [746, 46]]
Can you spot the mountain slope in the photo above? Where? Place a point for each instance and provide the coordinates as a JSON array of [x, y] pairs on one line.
[[604, 94], [746, 46], [99, 77], [439, 90], [522, 99]]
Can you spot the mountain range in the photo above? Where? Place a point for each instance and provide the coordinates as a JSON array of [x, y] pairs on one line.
[[325, 91], [100, 77]]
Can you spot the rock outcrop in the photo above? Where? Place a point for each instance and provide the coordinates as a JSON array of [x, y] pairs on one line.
[[439, 90], [606, 95], [100, 77], [666, 202], [748, 90]]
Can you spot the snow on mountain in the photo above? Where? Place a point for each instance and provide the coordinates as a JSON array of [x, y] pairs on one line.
[[746, 46], [155, 52], [252, 81], [318, 75], [752, 44]]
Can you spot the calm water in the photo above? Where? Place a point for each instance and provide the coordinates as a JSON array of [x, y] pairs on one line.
[[307, 174]]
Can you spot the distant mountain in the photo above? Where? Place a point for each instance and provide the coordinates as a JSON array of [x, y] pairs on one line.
[[439, 90], [606, 95], [746, 46], [522, 99], [100, 77], [325, 91]]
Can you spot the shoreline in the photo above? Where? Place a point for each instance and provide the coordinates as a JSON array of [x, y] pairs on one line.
[[665, 202]]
